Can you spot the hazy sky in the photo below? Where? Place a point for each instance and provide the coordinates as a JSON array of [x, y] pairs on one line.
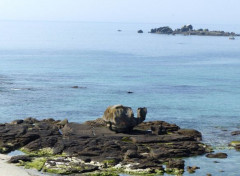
[[164, 11]]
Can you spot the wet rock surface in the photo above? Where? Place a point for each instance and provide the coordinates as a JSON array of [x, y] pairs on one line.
[[217, 155], [65, 148], [188, 30]]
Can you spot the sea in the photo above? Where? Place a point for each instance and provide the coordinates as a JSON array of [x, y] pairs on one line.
[[192, 81]]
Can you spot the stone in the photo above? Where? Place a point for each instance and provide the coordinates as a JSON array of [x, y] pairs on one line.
[[140, 31], [121, 118], [131, 154], [235, 144], [234, 133], [63, 123], [192, 169], [176, 163], [15, 122], [17, 159], [217, 155], [175, 166], [92, 146], [191, 133]]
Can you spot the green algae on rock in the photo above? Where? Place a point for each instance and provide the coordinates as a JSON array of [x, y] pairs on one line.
[[94, 148]]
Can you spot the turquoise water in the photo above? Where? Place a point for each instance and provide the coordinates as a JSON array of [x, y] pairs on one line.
[[188, 80]]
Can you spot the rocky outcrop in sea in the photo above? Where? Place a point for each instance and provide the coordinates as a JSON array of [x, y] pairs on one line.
[[188, 30], [116, 143]]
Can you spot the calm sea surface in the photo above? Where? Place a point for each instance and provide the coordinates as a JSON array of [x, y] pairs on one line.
[[188, 80]]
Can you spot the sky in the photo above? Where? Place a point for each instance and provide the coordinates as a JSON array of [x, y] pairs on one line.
[[140, 11]]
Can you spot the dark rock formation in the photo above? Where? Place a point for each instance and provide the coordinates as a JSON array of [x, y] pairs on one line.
[[234, 133], [162, 30], [235, 144], [140, 31], [17, 159], [217, 155], [121, 118], [192, 169], [64, 148], [188, 30], [175, 166]]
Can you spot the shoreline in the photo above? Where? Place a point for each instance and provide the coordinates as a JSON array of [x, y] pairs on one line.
[[14, 170]]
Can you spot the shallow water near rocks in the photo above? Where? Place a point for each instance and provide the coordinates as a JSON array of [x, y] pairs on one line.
[[192, 81]]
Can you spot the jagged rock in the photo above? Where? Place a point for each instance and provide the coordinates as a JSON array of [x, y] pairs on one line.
[[131, 154], [217, 155], [176, 163], [192, 169], [63, 123], [234, 133], [15, 122], [121, 118], [16, 159], [191, 132], [95, 144], [167, 126]]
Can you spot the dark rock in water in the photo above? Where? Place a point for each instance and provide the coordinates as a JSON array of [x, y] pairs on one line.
[[191, 132], [129, 92], [217, 155], [17, 159], [15, 122], [192, 169], [188, 30], [140, 31], [237, 147], [78, 87], [92, 146], [234, 133], [121, 118], [235, 144], [119, 30], [162, 30]]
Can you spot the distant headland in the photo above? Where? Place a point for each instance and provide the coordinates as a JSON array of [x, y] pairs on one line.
[[188, 30]]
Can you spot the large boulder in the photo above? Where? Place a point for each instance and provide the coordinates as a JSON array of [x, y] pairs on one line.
[[121, 118]]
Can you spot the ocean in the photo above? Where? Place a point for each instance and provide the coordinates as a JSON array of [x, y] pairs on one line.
[[192, 81]]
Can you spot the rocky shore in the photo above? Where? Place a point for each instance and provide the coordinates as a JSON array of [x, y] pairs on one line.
[[188, 30], [116, 143]]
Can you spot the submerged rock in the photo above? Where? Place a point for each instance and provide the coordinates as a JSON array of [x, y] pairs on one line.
[[192, 169], [217, 155], [234, 133], [235, 144]]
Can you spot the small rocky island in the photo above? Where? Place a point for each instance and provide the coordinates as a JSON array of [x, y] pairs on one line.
[[188, 30], [116, 143]]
